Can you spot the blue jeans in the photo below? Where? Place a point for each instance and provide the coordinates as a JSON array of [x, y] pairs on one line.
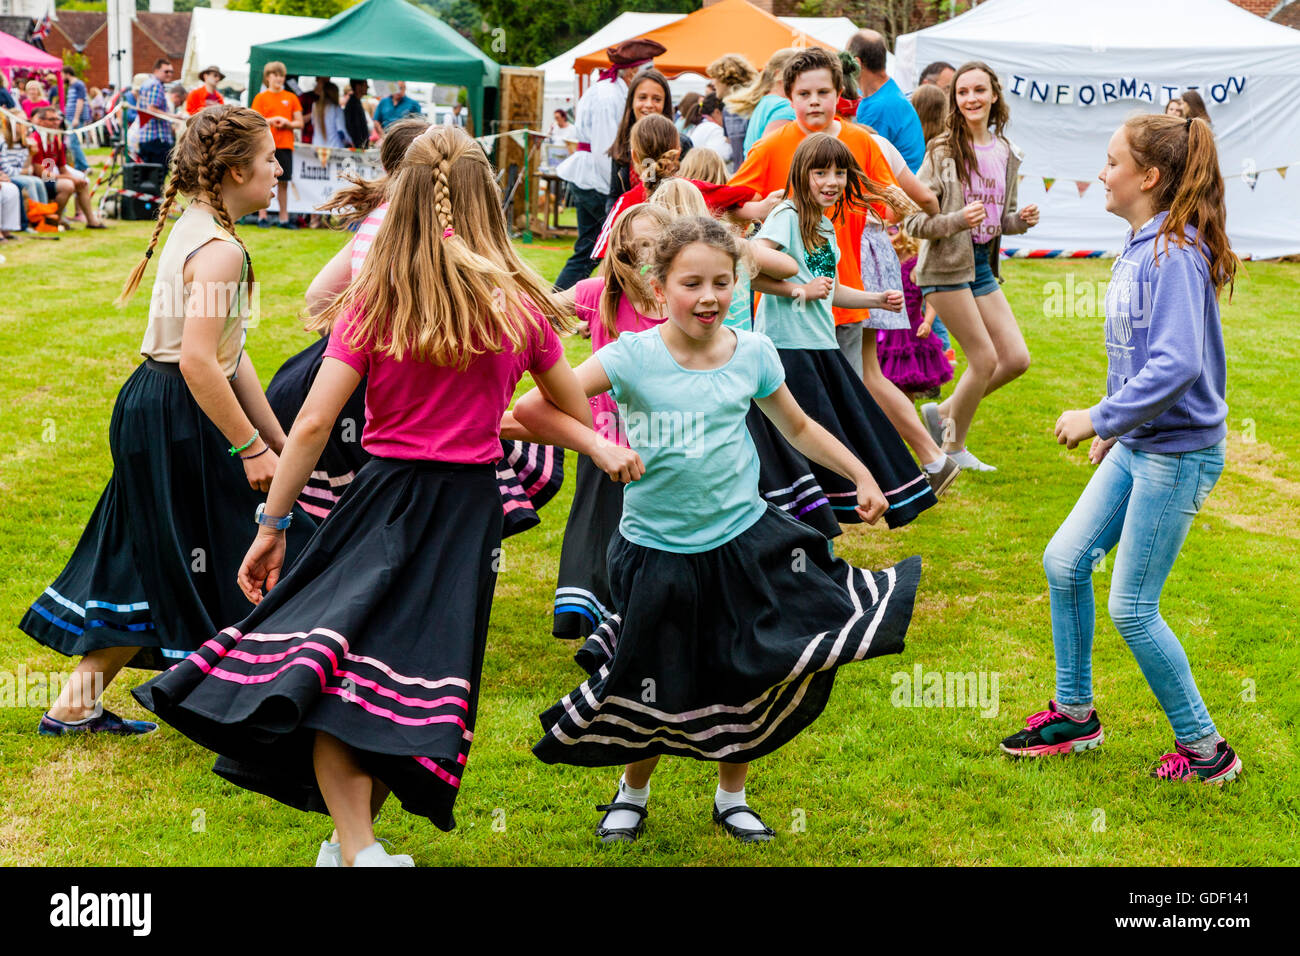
[[1145, 502], [76, 153]]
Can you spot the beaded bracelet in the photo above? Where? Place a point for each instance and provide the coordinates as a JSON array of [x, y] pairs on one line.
[[248, 444], [258, 455]]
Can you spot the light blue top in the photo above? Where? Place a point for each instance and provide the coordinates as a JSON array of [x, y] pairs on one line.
[[389, 112], [335, 132], [739, 315], [700, 487], [794, 323], [770, 107]]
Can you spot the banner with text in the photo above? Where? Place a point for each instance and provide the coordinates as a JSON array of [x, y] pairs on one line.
[[318, 173]]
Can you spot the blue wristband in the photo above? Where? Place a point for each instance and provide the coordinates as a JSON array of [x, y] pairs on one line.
[[262, 518]]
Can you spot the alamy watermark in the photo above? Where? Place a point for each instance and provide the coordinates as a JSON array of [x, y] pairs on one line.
[[922, 688], [639, 430], [24, 688]]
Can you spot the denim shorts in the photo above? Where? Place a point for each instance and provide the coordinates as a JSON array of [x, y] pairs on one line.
[[985, 281]]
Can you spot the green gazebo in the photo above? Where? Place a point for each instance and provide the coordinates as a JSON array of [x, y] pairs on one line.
[[385, 40]]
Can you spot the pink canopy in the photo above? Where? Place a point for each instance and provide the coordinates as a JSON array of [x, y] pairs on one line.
[[15, 54]]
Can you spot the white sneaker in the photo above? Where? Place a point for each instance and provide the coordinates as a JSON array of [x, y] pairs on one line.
[[331, 854], [376, 855], [968, 462]]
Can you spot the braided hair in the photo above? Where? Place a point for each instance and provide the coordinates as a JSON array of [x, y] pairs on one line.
[[442, 282], [215, 140]]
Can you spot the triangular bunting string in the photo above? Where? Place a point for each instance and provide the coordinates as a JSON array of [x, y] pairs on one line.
[[1047, 183], [1082, 185], [1281, 171]]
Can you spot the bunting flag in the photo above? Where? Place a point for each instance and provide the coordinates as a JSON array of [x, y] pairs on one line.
[[1047, 183], [1281, 171], [1020, 179], [1082, 185]]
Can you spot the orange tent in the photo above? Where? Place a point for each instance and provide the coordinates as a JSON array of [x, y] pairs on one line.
[[699, 38]]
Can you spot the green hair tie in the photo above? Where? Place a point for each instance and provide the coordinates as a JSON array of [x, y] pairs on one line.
[[645, 268]]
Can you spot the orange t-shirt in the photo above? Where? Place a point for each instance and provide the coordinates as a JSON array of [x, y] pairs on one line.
[[200, 97], [767, 167], [283, 104]]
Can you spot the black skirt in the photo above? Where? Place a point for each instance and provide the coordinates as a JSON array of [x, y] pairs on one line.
[[528, 475], [582, 598], [726, 654], [156, 564], [827, 389], [385, 616]]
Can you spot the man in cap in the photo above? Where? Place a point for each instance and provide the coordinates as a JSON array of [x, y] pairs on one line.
[[587, 171], [205, 95]]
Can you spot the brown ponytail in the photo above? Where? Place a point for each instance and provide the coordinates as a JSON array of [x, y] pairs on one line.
[[1190, 187], [656, 150], [215, 140]]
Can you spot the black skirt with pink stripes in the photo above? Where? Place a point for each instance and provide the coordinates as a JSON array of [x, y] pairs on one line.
[[375, 636], [528, 475]]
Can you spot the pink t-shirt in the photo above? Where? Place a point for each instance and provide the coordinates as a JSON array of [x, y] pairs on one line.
[[988, 184], [418, 410], [587, 293], [365, 236]]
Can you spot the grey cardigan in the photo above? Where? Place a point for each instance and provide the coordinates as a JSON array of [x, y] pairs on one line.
[[946, 256]]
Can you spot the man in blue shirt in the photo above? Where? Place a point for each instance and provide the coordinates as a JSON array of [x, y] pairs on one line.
[[395, 106], [884, 107]]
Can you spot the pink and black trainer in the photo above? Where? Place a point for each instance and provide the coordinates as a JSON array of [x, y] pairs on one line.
[[1052, 732], [1186, 764]]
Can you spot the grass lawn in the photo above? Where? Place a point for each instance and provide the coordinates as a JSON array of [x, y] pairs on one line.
[[869, 783]]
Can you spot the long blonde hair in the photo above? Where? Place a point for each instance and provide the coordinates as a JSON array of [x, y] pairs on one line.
[[442, 282], [215, 140], [622, 266], [742, 102]]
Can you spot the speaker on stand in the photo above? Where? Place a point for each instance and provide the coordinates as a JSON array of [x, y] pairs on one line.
[[141, 178]]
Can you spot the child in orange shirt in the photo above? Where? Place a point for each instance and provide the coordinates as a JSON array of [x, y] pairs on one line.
[[283, 112]]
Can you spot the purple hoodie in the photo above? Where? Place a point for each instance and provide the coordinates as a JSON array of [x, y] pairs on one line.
[[1165, 384]]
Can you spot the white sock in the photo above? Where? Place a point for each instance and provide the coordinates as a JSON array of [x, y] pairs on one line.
[[626, 819], [936, 466], [725, 799], [966, 460]]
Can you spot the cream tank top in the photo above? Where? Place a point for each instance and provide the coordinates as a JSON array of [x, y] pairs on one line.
[[195, 228]]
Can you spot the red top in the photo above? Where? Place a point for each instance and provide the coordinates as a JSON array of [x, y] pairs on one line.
[[49, 160]]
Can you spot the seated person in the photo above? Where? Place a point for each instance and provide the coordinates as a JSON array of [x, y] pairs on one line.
[[50, 162]]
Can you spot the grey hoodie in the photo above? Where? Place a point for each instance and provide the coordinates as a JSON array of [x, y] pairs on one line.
[[1165, 385]]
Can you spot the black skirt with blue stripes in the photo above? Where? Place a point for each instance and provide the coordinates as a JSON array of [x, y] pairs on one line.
[[582, 598], [156, 565], [827, 389]]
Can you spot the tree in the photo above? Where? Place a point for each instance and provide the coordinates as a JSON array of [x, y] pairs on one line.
[[532, 33], [892, 18], [294, 8]]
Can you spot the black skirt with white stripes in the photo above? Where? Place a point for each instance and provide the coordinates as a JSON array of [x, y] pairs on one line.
[[725, 654], [528, 475]]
